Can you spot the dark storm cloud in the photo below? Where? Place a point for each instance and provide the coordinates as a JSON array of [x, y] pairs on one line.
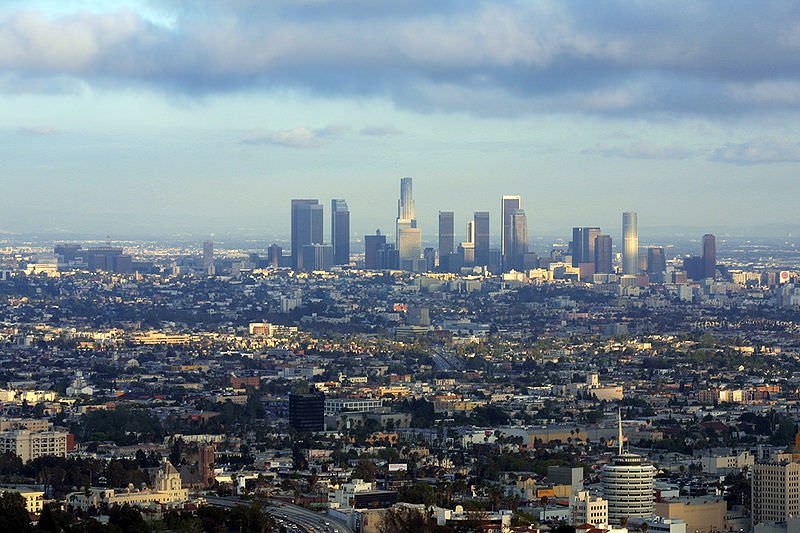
[[486, 58]]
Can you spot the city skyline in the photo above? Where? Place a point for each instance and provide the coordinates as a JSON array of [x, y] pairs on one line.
[[675, 133], [400, 266]]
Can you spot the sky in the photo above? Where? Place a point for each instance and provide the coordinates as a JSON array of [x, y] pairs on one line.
[[204, 117]]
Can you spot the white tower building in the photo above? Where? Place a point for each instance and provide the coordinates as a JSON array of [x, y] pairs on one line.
[[628, 484]]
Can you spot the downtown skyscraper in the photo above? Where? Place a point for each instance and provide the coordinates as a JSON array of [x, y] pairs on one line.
[[509, 204], [583, 245], [630, 243], [481, 237], [306, 228], [446, 233], [340, 232], [603, 256], [208, 255], [409, 236], [517, 245], [709, 256]]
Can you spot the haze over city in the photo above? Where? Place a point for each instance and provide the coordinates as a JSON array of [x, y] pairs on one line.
[[410, 266], [156, 118]]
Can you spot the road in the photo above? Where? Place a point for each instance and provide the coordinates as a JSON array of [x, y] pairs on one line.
[[303, 520], [308, 520], [446, 362]]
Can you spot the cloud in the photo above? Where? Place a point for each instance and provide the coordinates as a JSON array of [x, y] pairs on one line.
[[39, 130], [500, 58], [642, 150], [758, 151], [296, 137], [379, 131]]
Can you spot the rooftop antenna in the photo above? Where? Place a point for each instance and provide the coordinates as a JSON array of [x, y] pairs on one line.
[[619, 429]]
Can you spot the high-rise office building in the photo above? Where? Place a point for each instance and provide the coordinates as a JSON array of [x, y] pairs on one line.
[[774, 491], [208, 254], [340, 232], [603, 255], [406, 209], [388, 256], [409, 236], [317, 257], [628, 484], [307, 411], [274, 255], [694, 267], [583, 242], [429, 255], [409, 248], [709, 256], [656, 264], [509, 204], [446, 233], [481, 237], [68, 252], [630, 242], [517, 245], [306, 228], [110, 259], [373, 244], [467, 248]]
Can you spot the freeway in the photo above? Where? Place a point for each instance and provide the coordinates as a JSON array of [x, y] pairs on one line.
[[446, 362], [308, 520], [296, 518]]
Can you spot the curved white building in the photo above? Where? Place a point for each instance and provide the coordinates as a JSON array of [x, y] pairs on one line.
[[628, 485], [630, 241]]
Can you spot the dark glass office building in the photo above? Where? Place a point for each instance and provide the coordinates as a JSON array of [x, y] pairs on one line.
[[307, 411], [481, 232], [709, 256], [603, 263], [340, 232], [374, 245], [306, 228], [446, 234]]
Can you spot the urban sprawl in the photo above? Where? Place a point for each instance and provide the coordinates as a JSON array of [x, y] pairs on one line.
[[376, 385]]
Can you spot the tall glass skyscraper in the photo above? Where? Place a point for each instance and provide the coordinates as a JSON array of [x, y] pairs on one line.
[[340, 232], [517, 246], [630, 240], [481, 237], [508, 205], [709, 256], [603, 263], [446, 233], [208, 254], [409, 236], [405, 206], [583, 243], [656, 264], [306, 228]]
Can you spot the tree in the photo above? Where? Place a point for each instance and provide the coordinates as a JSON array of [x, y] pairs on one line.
[[13, 515], [52, 520], [403, 520], [128, 519], [251, 519], [365, 469]]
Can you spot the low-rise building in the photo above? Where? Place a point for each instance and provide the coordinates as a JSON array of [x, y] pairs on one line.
[[167, 489], [29, 445]]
